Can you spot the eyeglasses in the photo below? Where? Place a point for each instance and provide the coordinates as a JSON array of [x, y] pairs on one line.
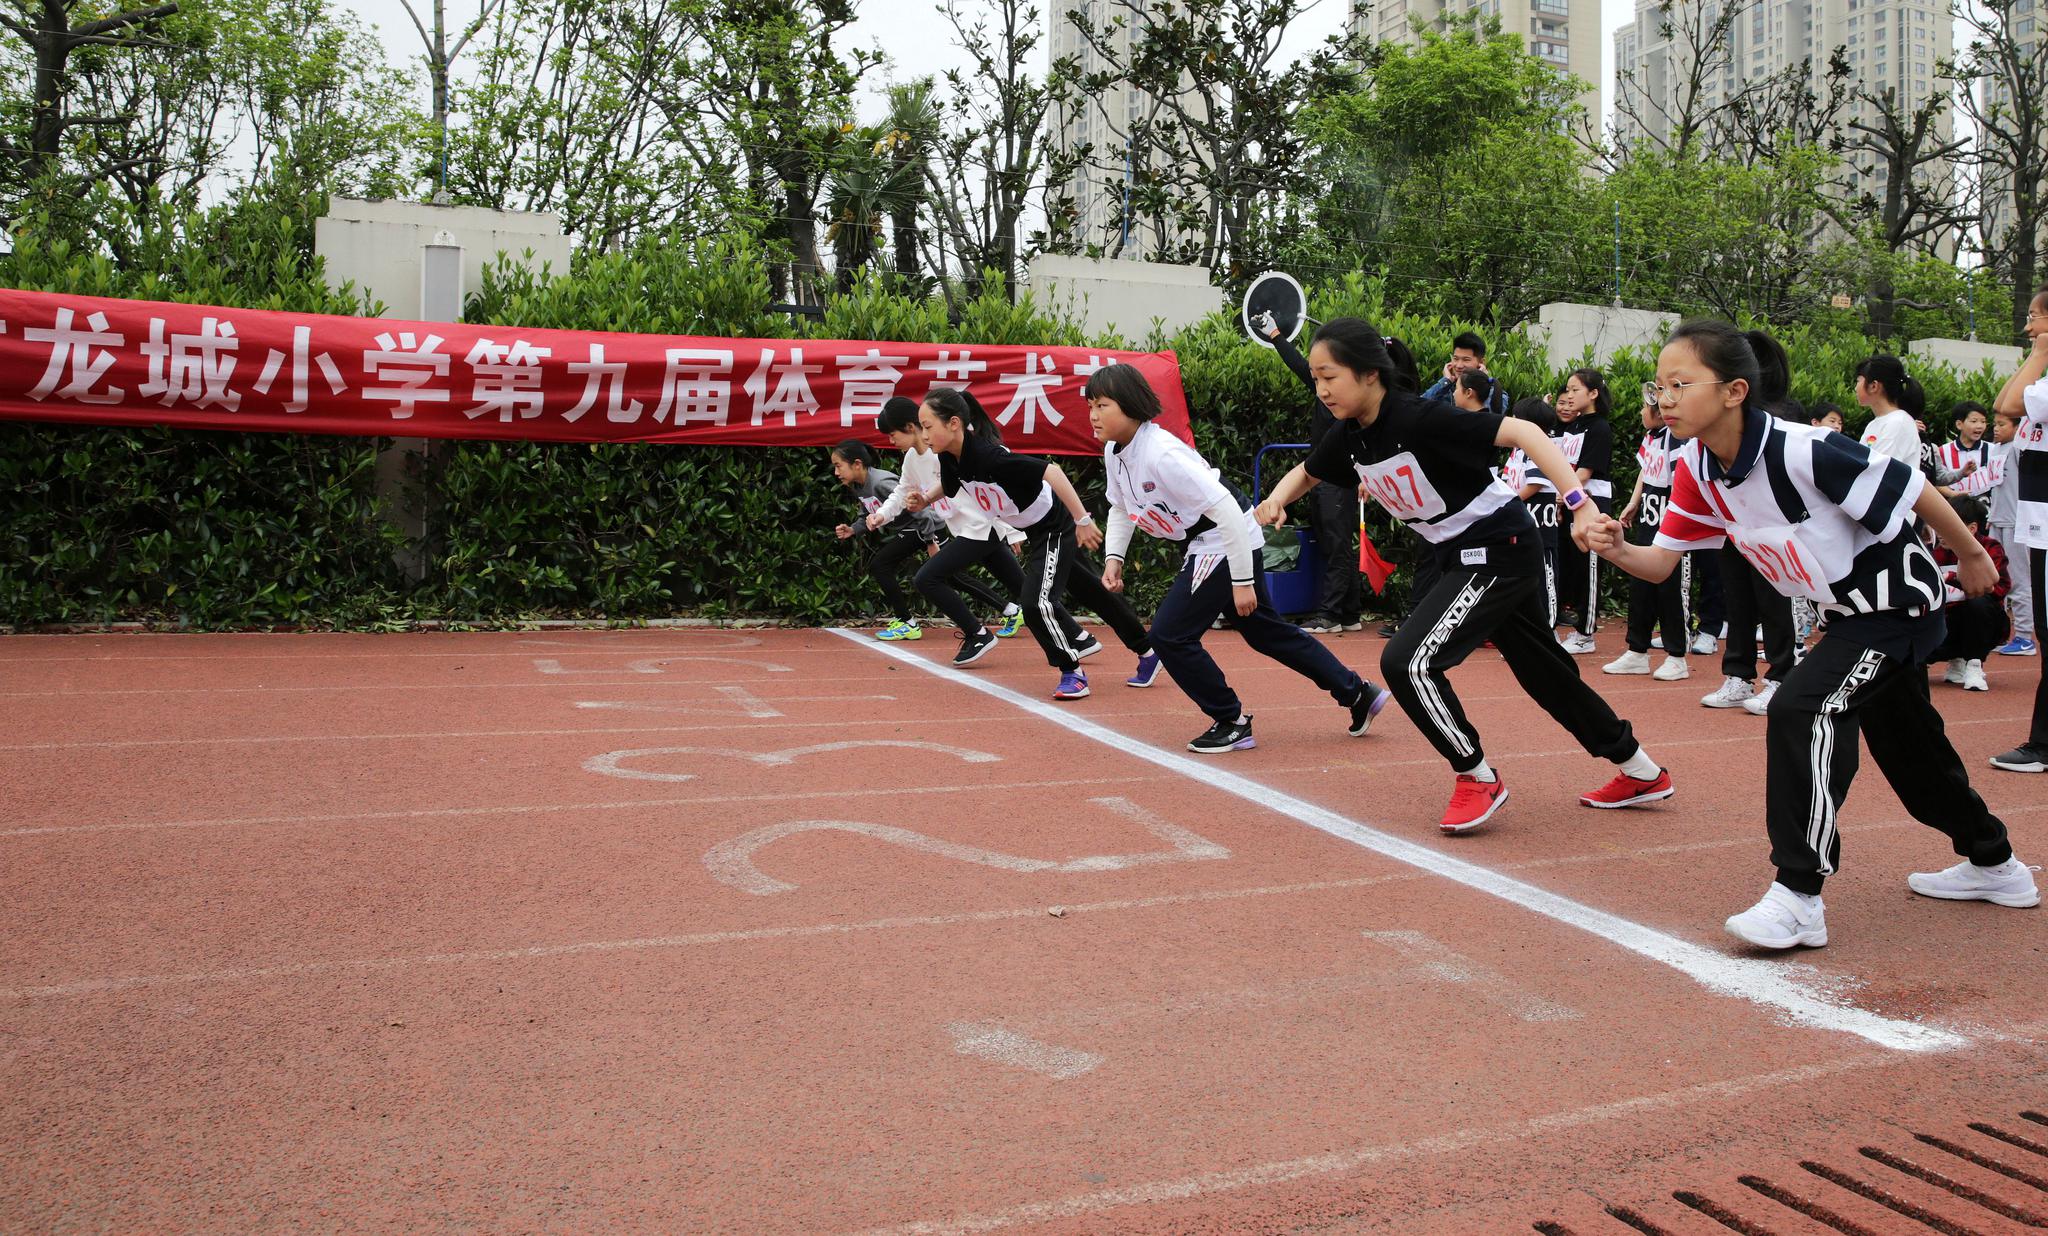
[[1653, 393]]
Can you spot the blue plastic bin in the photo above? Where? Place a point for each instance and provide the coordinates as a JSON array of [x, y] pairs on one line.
[[1292, 592]]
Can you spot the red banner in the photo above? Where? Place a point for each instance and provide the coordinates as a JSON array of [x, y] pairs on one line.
[[95, 361]]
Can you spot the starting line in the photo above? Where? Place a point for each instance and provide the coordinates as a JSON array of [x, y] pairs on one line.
[[1767, 983]]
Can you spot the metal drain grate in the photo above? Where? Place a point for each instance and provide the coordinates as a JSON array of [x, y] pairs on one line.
[[1956, 1186]]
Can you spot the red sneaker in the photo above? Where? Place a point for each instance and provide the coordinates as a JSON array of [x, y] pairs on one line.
[[1473, 803], [1626, 791]]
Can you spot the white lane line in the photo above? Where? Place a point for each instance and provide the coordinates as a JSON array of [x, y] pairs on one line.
[[1487, 1138], [1792, 994], [101, 986], [550, 808], [1019, 1051]]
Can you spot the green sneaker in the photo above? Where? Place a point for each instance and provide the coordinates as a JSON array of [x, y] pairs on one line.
[[900, 630], [1010, 625]]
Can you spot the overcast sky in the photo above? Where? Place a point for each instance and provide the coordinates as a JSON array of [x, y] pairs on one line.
[[917, 39]]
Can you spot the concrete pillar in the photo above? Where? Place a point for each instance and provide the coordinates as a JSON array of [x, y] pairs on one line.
[[422, 261]]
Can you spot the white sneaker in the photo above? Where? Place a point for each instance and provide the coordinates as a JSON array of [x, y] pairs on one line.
[[1731, 695], [1628, 663], [1657, 642], [1973, 677], [1705, 645], [2011, 883], [1759, 705], [1783, 919], [1955, 671], [1577, 644], [1674, 669]]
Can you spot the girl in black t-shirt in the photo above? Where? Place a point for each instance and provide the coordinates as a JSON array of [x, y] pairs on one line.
[[1587, 440], [1035, 497], [1431, 466]]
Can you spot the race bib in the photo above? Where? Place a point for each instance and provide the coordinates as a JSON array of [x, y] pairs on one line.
[[1652, 512], [1398, 484], [1786, 563]]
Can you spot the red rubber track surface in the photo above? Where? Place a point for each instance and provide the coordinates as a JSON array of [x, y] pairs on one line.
[[370, 933]]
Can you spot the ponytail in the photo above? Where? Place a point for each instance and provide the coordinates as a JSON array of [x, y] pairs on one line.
[[1773, 377], [950, 403]]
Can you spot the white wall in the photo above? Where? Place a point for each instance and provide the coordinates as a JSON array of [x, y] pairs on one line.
[[377, 245], [1566, 330], [1967, 356], [1114, 294]]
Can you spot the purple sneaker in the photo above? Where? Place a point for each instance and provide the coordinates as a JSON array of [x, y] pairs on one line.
[[1073, 686], [1370, 700], [1148, 669]]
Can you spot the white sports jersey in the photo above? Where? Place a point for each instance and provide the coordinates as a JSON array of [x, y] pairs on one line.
[[1819, 517], [1895, 436], [1655, 458], [2030, 460], [1588, 443], [1167, 489], [963, 519]]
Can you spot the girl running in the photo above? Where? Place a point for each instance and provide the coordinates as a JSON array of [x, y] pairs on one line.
[[975, 539], [1035, 497], [1432, 466], [1160, 484], [1587, 440], [901, 538], [1828, 519], [1660, 605]]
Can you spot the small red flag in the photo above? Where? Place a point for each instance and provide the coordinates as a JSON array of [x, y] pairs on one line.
[[1377, 569]]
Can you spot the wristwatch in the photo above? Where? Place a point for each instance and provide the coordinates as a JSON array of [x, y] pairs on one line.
[[1574, 500], [1084, 520]]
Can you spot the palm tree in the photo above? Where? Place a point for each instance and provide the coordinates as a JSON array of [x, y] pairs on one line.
[[868, 184], [912, 128]]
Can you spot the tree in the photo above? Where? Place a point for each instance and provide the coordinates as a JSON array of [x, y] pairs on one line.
[[911, 130], [440, 60], [1451, 168], [992, 155], [1784, 110], [2002, 87], [1909, 150], [279, 101], [587, 109], [780, 91], [1218, 128], [47, 34], [1701, 40]]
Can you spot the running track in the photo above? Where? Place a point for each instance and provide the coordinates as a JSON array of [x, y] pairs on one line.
[[753, 932]]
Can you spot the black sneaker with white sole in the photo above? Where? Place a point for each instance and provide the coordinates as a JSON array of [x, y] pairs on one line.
[[1225, 736], [2023, 758], [1088, 647], [974, 647]]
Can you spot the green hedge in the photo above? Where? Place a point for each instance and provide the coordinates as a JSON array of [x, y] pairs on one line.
[[233, 530]]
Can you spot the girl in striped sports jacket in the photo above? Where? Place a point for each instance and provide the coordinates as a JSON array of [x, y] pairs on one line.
[[1830, 520]]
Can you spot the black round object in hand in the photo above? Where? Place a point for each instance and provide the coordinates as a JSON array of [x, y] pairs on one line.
[[1277, 293]]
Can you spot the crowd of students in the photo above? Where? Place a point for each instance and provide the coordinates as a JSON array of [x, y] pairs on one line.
[[1858, 561]]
